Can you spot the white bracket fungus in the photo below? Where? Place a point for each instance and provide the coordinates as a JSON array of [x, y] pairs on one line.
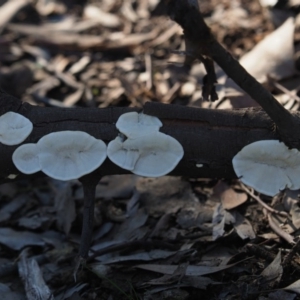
[[155, 154], [146, 151], [67, 155], [26, 158], [14, 128], [134, 124], [62, 155], [268, 166]]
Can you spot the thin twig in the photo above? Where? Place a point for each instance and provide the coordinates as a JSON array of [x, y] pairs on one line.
[[266, 206], [283, 89], [286, 236]]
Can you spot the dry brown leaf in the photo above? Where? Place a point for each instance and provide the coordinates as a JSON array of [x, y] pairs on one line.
[[294, 287], [218, 222], [165, 194], [273, 272], [231, 199], [141, 256], [71, 293], [281, 295], [18, 240], [35, 286], [178, 274], [291, 204], [35, 222], [116, 186], [12, 207], [273, 55], [218, 256], [64, 204], [7, 294], [243, 227], [190, 271]]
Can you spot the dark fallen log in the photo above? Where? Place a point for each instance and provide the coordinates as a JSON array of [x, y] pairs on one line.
[[210, 138]]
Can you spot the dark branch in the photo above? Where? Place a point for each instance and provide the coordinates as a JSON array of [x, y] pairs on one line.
[[204, 44]]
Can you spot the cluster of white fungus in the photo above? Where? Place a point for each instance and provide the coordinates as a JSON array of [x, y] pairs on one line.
[[268, 166], [63, 155], [67, 155], [141, 148]]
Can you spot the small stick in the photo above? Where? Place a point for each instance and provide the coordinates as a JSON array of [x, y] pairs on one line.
[[266, 206], [286, 236], [281, 88], [89, 190], [89, 183]]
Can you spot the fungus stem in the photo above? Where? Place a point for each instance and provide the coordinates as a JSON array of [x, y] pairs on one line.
[[89, 183], [88, 219]]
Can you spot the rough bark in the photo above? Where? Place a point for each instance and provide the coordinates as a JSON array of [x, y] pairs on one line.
[[209, 137]]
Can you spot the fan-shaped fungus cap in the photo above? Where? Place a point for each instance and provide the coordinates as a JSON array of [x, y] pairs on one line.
[[268, 166], [67, 155], [155, 154], [133, 124], [26, 159], [14, 128]]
